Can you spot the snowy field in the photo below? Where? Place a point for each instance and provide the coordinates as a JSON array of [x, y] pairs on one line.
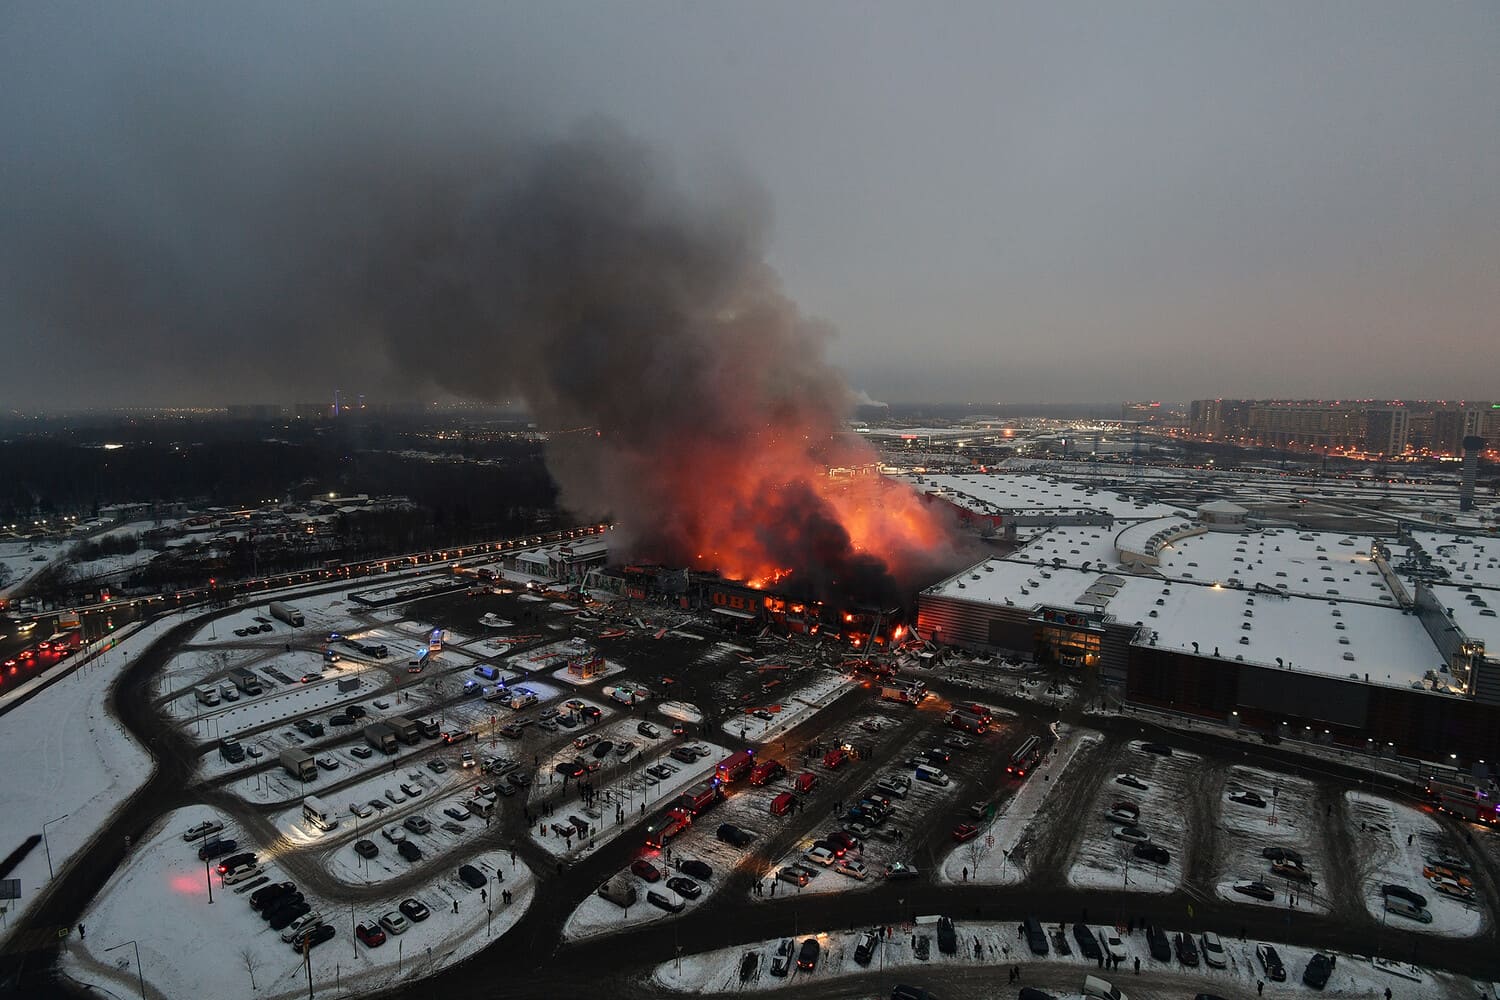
[[985, 857], [992, 945], [80, 765], [189, 947], [19, 560], [1396, 838], [1106, 862]]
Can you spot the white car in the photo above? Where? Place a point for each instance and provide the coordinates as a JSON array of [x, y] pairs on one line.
[[586, 740], [412, 789], [393, 796], [1213, 951], [393, 922], [394, 834], [361, 810], [239, 875], [305, 922], [202, 830], [1112, 944], [854, 869], [467, 760], [821, 855], [1132, 834]]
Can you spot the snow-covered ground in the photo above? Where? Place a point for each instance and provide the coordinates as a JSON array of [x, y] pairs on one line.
[[808, 700], [191, 948], [992, 945], [75, 765], [1396, 838], [1106, 862], [988, 861], [206, 723], [1288, 819], [19, 560], [625, 785]]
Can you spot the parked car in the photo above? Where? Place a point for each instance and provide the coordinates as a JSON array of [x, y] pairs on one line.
[[1113, 946], [216, 848], [796, 876], [820, 855], [865, 949], [362, 810], [1131, 781], [370, 935], [362, 752], [1247, 798], [733, 835], [202, 830], [645, 870], [366, 848], [1088, 945], [1131, 834], [649, 731], [1319, 968], [409, 851], [417, 824], [267, 894], [394, 834], [412, 789], [413, 909], [1213, 951], [1270, 963], [807, 955], [310, 939], [471, 876], [1154, 853], [1281, 854], [684, 887], [1124, 812], [781, 961], [854, 869], [306, 922], [699, 870], [1187, 950], [1255, 890], [457, 812], [669, 901], [965, 831], [1159, 943]]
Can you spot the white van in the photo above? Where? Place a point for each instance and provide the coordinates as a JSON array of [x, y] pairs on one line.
[[931, 775], [619, 890], [1406, 908], [228, 692], [1098, 989]]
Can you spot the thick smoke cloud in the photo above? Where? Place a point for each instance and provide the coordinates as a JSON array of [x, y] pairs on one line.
[[330, 244]]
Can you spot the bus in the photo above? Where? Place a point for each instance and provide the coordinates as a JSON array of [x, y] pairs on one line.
[[1026, 757], [319, 814]]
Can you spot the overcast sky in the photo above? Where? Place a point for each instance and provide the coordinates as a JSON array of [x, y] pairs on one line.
[[989, 201]]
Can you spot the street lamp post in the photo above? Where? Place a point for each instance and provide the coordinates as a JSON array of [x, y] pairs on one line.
[[140, 976], [46, 845]]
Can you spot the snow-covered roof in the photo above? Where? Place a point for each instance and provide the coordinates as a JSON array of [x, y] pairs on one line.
[[1222, 507], [1312, 634], [1468, 608], [1007, 493]]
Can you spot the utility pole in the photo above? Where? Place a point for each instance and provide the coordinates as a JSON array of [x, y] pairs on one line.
[[209, 878], [46, 845], [139, 975]]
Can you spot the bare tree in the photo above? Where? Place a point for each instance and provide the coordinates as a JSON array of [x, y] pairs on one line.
[[974, 852], [249, 957]]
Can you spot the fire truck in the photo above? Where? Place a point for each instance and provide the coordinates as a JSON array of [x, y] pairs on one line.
[[1463, 801]]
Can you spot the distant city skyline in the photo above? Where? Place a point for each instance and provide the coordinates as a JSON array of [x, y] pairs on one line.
[[1019, 203]]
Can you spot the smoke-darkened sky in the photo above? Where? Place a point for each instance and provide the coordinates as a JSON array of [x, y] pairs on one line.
[[204, 203]]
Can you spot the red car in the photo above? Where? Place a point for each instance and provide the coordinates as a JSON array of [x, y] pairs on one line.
[[965, 831], [370, 935], [646, 870], [833, 758]]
